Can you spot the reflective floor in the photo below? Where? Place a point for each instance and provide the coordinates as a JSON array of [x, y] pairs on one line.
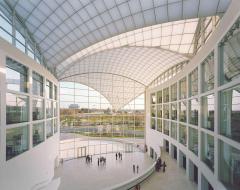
[[77, 175]]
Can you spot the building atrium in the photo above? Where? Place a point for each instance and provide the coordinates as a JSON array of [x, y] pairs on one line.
[[120, 94]]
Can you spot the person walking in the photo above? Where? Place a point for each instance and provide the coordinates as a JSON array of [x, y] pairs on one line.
[[164, 166], [116, 156], [133, 168], [121, 156], [91, 158], [137, 168], [98, 161]]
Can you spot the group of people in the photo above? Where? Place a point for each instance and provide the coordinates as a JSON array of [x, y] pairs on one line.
[[118, 155], [159, 164], [101, 160], [88, 159], [135, 168]]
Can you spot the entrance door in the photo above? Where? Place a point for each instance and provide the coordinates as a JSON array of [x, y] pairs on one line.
[[82, 151], [175, 152], [195, 174], [184, 162]]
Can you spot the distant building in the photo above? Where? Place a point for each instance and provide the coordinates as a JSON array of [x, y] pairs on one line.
[[73, 106]]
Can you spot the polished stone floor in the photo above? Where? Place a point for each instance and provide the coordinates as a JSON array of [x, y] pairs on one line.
[[77, 175], [173, 179]]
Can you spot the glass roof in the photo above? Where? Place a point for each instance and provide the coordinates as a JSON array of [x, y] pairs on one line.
[[142, 64], [176, 36], [65, 27], [118, 90], [132, 39]]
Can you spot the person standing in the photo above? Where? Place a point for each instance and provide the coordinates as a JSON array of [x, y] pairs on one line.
[[98, 161], [116, 156], [137, 168], [133, 168]]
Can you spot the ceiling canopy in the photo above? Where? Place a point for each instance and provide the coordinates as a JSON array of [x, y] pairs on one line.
[[132, 39], [63, 28]]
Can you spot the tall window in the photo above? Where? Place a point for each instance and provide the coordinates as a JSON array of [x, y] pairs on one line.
[[16, 76], [166, 95], [183, 134], [37, 109], [183, 111], [183, 88], [174, 111], [193, 140], [193, 83], [229, 166], [37, 87], [229, 56], [38, 133], [17, 108], [193, 111], [49, 108], [174, 92], [207, 112], [174, 130], [207, 150], [49, 128], [16, 141], [159, 97], [49, 89], [230, 113], [208, 73]]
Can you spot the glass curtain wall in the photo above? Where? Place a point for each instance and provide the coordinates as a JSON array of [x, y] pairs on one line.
[[92, 120]]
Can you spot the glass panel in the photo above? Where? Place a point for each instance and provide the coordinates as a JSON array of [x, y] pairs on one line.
[[159, 111], [183, 134], [37, 109], [55, 110], [153, 111], [166, 95], [37, 86], [153, 123], [208, 74], [55, 124], [16, 76], [229, 166], [166, 111], [159, 125], [16, 141], [193, 140], [38, 133], [153, 98], [174, 92], [230, 113], [229, 57], [5, 28], [49, 109], [166, 127], [49, 128], [193, 83], [55, 92], [193, 111], [183, 88], [207, 150], [174, 130], [20, 41], [174, 111], [208, 112], [183, 111], [17, 108], [159, 97], [49, 92]]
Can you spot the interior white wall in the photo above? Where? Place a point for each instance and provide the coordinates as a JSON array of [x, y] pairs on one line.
[[34, 167]]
